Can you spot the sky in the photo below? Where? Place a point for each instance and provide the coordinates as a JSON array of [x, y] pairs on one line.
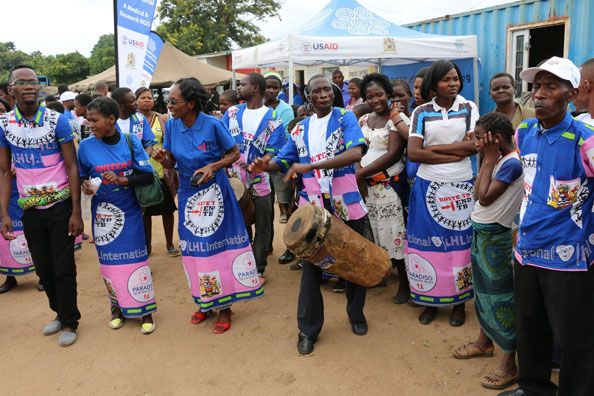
[[62, 26]]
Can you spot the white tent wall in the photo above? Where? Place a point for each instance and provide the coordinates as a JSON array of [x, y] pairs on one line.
[[343, 34]]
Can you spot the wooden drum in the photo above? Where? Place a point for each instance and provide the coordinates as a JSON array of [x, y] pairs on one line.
[[245, 201], [315, 235]]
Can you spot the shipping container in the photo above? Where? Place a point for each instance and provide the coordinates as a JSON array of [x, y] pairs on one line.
[[520, 34]]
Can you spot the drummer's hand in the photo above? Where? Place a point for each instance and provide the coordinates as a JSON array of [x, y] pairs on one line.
[[259, 165], [207, 173], [6, 228], [243, 166], [87, 188], [158, 154], [297, 168]]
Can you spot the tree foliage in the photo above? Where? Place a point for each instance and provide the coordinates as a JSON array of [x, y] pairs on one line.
[[69, 68], [203, 26], [103, 54]]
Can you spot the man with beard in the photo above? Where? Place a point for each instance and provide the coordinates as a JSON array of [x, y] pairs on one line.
[[259, 132], [502, 90], [553, 278], [132, 121], [43, 154], [323, 172]]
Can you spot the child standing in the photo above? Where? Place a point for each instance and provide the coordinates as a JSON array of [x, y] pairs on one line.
[[498, 194]]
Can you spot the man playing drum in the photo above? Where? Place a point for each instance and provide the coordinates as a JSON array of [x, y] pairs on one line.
[[324, 149]]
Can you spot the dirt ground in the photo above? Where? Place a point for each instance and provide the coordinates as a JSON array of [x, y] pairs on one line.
[[257, 356]]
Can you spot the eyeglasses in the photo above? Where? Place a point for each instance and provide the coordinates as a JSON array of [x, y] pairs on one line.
[[174, 102], [22, 83]]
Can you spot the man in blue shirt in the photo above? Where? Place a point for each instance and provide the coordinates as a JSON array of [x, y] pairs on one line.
[[67, 99], [554, 281]]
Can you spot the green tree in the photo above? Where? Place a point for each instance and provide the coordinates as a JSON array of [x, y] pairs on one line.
[[103, 54], [69, 68], [203, 26]]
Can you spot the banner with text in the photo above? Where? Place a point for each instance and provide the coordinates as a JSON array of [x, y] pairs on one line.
[[133, 25], [153, 51]]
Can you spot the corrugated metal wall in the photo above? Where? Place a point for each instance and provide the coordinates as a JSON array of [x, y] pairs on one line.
[[491, 24]]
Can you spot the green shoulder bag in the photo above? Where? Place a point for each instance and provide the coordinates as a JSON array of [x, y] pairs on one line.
[[151, 194]]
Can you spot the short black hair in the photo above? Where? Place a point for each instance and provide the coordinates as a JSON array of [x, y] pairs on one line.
[[17, 67], [497, 123], [361, 109], [435, 73], [422, 73], [294, 122], [376, 79], [106, 106], [83, 99], [50, 98], [5, 104], [259, 80], [140, 90], [62, 88], [57, 106], [588, 68], [316, 77], [100, 85], [118, 94], [4, 87], [404, 85], [502, 74], [337, 71], [192, 90], [232, 95]]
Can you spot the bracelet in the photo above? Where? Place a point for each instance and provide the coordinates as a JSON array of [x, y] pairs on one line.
[[401, 120]]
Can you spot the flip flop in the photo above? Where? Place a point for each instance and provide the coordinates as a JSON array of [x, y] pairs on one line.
[[173, 252], [498, 379], [469, 351], [220, 328], [198, 318]]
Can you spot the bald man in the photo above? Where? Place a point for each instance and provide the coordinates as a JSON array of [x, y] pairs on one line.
[[585, 98]]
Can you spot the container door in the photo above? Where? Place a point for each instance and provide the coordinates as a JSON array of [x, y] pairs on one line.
[[519, 58]]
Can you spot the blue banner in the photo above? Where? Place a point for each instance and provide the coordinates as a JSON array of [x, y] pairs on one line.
[[133, 25], [153, 51]]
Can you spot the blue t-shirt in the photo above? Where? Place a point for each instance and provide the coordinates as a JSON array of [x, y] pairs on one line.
[[203, 143], [509, 171], [96, 157]]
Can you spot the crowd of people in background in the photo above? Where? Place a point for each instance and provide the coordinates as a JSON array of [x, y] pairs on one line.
[[393, 162]]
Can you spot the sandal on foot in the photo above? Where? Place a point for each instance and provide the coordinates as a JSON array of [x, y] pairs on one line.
[[220, 328], [198, 317], [498, 379], [148, 328], [469, 351], [116, 323], [173, 252], [427, 316]]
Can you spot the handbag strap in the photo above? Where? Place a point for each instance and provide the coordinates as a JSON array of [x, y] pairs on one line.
[[129, 141]]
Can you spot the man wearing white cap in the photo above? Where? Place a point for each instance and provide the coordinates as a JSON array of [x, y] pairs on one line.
[[67, 99], [554, 281]]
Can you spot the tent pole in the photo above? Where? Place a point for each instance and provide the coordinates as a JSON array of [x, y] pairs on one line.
[[233, 82], [476, 78], [291, 72], [379, 66]]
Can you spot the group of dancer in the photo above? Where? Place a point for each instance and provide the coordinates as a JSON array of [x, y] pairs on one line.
[[403, 179]]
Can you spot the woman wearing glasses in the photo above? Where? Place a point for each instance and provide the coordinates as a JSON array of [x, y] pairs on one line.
[[216, 251]]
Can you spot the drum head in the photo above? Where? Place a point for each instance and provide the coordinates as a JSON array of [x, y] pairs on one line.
[[303, 227], [237, 186]]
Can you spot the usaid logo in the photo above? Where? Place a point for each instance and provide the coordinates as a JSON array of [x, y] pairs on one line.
[[307, 48], [131, 42]]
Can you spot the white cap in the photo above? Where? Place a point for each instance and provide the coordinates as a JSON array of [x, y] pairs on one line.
[[560, 67], [68, 95]]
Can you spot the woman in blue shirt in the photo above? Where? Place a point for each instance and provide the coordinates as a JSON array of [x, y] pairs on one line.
[[117, 216], [216, 251]]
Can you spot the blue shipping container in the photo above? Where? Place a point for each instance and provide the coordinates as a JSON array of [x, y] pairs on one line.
[[495, 27]]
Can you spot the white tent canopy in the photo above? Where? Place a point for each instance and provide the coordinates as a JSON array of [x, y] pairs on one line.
[[346, 33]]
